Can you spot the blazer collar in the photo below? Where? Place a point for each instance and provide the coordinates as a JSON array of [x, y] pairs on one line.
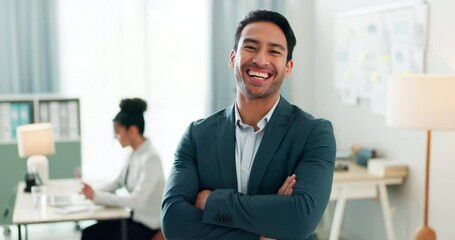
[[273, 135], [225, 142]]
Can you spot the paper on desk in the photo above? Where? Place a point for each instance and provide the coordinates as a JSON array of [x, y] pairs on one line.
[[72, 209]]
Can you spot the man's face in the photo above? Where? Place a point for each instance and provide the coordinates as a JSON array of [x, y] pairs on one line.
[[259, 62]]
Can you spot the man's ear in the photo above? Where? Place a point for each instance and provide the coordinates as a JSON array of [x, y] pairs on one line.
[[232, 59], [289, 66]]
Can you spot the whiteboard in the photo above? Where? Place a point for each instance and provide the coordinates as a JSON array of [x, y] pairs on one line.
[[374, 44]]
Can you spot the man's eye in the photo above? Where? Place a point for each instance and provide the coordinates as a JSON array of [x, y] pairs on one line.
[[249, 47], [275, 52]]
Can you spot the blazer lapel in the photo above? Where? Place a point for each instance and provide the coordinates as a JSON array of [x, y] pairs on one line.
[[225, 142], [275, 131]]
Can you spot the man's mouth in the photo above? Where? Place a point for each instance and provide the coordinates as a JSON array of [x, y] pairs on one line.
[[258, 75]]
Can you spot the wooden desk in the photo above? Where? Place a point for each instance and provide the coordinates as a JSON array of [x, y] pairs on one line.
[[358, 184], [24, 213]]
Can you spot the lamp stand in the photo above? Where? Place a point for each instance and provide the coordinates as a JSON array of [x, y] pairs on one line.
[[425, 232], [39, 164]]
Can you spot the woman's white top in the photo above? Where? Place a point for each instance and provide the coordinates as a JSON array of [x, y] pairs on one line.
[[143, 177]]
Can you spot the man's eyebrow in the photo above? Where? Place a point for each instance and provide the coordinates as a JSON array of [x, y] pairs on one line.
[[250, 40], [277, 45]]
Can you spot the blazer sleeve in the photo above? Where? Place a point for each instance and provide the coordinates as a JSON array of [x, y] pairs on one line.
[[283, 216], [179, 218]]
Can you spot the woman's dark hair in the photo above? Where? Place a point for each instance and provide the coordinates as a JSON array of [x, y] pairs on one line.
[[268, 16], [132, 113]]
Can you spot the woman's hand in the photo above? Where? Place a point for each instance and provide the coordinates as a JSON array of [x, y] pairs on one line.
[[87, 191]]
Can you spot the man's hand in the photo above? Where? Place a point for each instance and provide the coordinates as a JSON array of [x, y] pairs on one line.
[[87, 191], [288, 186], [286, 189], [202, 198]]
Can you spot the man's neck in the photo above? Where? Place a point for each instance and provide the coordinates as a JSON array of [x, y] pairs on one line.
[[253, 110]]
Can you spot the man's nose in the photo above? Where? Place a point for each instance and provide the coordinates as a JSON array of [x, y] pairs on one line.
[[262, 58]]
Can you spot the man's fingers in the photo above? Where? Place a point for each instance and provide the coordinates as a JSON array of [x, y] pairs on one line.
[[290, 188], [292, 183], [283, 187], [288, 183], [288, 191]]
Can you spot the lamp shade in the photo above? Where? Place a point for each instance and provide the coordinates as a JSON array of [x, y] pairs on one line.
[[35, 139], [421, 101]]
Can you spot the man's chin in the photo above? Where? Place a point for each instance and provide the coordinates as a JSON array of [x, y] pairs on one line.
[[254, 92], [257, 95]]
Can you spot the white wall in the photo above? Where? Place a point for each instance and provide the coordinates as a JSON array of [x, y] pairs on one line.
[[363, 218], [300, 15]]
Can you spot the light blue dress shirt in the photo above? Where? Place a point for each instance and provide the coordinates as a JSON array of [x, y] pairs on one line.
[[246, 145]]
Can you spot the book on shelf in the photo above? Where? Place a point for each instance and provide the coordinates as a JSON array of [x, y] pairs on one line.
[[387, 168]]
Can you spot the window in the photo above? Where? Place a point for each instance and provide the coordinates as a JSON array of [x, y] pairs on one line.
[[157, 50]]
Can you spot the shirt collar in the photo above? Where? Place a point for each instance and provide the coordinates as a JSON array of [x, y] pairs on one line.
[[262, 123], [142, 148]]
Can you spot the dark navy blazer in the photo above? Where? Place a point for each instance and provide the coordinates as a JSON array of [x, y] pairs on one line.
[[293, 142]]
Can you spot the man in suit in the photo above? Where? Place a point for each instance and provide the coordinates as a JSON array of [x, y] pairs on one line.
[[262, 167]]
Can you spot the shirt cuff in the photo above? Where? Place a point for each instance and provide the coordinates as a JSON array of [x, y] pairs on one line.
[[98, 197]]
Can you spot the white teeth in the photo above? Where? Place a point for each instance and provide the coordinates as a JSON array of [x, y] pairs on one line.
[[258, 74]]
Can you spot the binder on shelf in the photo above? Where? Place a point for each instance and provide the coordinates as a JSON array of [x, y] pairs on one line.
[[54, 118], [62, 113], [15, 120], [25, 115], [44, 112], [63, 118], [5, 111], [1, 122], [73, 119]]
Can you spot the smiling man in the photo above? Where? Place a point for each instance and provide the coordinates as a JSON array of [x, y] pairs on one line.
[[261, 168]]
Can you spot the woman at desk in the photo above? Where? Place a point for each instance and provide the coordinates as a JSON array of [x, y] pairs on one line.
[[142, 176]]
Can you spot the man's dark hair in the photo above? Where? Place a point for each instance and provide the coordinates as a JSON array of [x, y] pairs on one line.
[[132, 113], [268, 16]]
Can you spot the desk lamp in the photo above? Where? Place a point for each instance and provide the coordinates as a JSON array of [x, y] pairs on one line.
[[425, 102], [36, 141]]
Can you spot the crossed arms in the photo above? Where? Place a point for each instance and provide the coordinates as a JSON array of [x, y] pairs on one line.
[[228, 214]]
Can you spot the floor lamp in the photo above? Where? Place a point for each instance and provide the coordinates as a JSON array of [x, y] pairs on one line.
[[424, 102]]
